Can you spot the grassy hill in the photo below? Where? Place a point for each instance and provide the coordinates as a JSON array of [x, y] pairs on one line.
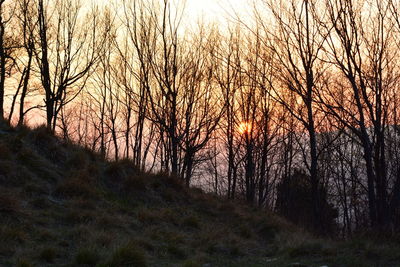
[[62, 205]]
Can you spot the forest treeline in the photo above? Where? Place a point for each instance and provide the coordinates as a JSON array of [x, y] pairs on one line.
[[294, 110]]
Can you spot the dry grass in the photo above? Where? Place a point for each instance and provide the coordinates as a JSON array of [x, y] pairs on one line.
[[8, 175], [11, 233], [87, 257], [134, 183], [77, 216], [39, 166], [118, 171], [128, 255], [80, 184], [70, 208], [103, 239], [9, 203], [5, 151], [48, 255], [24, 263], [191, 221]]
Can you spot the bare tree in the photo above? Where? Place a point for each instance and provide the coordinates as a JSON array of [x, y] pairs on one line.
[[3, 56], [361, 49], [136, 53], [202, 105], [227, 77], [27, 24], [67, 52], [297, 45], [9, 44]]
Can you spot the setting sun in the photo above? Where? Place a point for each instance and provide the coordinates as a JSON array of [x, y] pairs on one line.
[[245, 127]]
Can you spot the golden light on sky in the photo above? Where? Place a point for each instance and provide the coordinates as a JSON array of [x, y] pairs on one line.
[[216, 10], [219, 11], [245, 127]]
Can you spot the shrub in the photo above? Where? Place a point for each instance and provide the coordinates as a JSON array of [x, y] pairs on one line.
[[295, 203]]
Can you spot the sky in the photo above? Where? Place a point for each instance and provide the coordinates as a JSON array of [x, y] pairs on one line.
[[216, 10]]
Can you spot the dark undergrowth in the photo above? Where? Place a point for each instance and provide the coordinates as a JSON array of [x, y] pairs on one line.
[[63, 205]]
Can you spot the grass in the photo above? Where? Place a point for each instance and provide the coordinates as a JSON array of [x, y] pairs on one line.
[[134, 183], [48, 255], [5, 151], [9, 203], [10, 233], [79, 217], [62, 205], [79, 184], [87, 256], [128, 255], [191, 263], [192, 222], [176, 251], [24, 263], [305, 250], [244, 231], [46, 235]]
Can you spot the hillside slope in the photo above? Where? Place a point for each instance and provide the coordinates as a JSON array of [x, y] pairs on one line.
[[61, 205]]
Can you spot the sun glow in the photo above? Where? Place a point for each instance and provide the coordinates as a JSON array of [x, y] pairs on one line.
[[245, 127]]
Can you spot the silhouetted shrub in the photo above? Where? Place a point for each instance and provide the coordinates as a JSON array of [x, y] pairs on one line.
[[294, 202]]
